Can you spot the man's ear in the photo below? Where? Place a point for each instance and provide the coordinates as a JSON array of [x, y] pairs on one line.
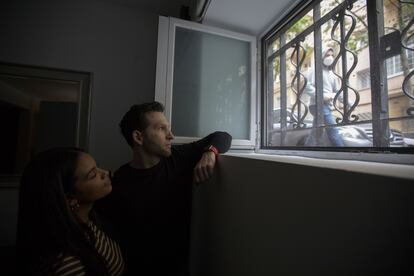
[[137, 137]]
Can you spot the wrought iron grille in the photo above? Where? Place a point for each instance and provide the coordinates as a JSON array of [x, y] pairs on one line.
[[405, 37], [280, 52]]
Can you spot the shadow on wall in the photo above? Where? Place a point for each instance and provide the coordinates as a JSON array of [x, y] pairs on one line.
[[8, 220], [269, 218]]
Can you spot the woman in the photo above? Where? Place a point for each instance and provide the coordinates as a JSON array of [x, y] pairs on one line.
[[58, 232]]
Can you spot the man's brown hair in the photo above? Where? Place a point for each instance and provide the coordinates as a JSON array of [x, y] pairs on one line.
[[135, 119]]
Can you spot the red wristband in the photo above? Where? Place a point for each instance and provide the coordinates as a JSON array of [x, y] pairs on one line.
[[213, 149]]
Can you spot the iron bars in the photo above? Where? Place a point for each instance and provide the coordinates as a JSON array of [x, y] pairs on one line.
[[405, 37], [348, 107]]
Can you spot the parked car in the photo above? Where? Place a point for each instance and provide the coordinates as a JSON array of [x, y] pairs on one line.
[[352, 135], [362, 136]]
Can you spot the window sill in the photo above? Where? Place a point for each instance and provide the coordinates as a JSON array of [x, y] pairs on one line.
[[369, 167]]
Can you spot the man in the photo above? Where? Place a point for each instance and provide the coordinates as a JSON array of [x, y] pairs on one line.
[[330, 88], [150, 203]]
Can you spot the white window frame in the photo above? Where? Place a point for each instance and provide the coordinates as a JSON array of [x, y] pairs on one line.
[[391, 64], [393, 61], [323, 153], [365, 73], [165, 72]]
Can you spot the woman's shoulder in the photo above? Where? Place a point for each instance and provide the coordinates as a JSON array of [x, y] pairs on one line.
[[67, 265]]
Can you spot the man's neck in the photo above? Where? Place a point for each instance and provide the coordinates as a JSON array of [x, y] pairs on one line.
[[143, 160]]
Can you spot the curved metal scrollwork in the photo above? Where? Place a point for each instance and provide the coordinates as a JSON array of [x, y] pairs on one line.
[[405, 37], [298, 85], [345, 89]]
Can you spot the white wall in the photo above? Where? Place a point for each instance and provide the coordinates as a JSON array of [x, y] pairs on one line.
[[270, 218], [117, 44]]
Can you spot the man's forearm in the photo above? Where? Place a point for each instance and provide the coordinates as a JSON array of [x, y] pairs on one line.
[[220, 140], [193, 151]]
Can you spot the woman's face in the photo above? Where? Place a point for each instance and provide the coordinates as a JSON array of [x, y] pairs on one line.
[[92, 183]]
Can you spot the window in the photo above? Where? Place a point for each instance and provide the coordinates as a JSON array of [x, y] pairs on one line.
[[316, 63], [394, 65], [364, 79], [207, 81]]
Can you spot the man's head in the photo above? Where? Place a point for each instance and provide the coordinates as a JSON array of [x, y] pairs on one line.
[[145, 126]]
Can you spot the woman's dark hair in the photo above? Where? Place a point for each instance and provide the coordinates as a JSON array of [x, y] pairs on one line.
[[46, 225], [135, 118]]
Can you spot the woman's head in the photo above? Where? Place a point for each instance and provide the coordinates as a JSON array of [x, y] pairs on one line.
[[52, 184], [91, 182], [64, 175]]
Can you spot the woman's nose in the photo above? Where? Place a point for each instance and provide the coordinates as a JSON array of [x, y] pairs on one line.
[[106, 173]]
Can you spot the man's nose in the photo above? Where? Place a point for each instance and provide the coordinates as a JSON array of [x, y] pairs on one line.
[[170, 135]]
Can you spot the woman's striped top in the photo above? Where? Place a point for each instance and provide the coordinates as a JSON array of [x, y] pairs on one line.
[[106, 247]]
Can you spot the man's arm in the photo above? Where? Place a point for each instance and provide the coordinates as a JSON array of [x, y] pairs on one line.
[[310, 83], [219, 139], [201, 155]]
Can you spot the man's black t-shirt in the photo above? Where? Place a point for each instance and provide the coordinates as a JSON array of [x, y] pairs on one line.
[[151, 209]]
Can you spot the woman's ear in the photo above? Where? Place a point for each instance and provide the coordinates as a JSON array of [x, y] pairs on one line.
[[72, 202], [137, 137]]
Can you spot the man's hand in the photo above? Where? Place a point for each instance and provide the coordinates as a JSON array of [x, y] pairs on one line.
[[327, 97], [205, 167]]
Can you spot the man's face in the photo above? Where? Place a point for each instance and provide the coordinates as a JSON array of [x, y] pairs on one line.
[[156, 138], [329, 53]]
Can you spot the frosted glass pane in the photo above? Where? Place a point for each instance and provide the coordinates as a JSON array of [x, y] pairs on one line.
[[211, 85]]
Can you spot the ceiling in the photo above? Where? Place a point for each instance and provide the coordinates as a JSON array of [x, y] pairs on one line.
[[246, 16], [162, 7]]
